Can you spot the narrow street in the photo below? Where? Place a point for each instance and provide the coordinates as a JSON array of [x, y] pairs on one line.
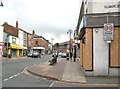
[[13, 74]]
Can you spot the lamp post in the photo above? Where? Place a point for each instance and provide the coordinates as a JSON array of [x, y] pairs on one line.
[[52, 43], [1, 4], [70, 32]]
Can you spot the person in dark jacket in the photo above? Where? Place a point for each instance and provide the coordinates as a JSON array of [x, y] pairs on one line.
[[67, 56], [74, 56], [71, 56]]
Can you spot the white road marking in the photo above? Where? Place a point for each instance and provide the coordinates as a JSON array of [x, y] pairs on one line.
[[5, 79], [25, 68], [52, 83], [12, 77], [33, 65]]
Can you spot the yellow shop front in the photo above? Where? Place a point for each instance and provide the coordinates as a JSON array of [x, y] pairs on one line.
[[16, 50]]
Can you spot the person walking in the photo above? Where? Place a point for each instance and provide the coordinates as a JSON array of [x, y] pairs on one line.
[[67, 56], [74, 56], [71, 56]]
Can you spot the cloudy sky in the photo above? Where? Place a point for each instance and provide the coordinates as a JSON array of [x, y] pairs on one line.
[[49, 18]]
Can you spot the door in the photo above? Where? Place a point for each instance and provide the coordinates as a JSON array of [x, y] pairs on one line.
[[100, 53]]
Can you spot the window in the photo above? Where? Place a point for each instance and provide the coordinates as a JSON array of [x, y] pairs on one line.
[[36, 42], [13, 40]]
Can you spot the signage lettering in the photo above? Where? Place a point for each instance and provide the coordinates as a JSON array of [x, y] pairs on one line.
[[112, 6]]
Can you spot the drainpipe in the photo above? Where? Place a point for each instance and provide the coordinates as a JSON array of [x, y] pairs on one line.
[[108, 53]]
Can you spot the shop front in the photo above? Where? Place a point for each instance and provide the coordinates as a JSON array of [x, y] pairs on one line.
[[1, 49], [16, 50]]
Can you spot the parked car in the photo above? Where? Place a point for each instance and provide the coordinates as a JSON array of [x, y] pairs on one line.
[[60, 54], [36, 55], [64, 55], [29, 54]]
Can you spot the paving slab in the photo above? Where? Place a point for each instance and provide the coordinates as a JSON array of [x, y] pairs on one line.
[[49, 71], [73, 72]]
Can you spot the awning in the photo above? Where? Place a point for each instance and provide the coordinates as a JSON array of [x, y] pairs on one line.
[[38, 48], [13, 46], [25, 47]]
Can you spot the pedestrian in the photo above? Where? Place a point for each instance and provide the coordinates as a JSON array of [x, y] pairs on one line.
[[74, 56], [67, 56], [71, 56]]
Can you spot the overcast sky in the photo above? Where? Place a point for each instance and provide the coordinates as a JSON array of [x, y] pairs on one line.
[[49, 18]]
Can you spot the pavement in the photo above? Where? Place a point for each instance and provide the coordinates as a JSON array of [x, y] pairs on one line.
[[13, 58], [69, 71]]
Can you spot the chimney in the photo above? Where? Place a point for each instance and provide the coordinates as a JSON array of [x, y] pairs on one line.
[[33, 33], [17, 24]]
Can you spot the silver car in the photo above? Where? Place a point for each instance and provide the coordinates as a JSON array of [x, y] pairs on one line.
[[36, 55], [64, 55]]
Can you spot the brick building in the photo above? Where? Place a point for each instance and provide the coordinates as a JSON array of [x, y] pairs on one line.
[[61, 47], [97, 57], [39, 43], [18, 42]]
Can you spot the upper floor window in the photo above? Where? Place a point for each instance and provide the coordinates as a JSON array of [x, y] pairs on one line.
[[13, 40], [36, 42]]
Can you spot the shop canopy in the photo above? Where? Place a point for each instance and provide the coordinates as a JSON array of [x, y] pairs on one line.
[[13, 46], [38, 48]]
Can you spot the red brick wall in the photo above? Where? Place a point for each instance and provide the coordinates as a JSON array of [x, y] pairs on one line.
[[40, 42], [10, 29]]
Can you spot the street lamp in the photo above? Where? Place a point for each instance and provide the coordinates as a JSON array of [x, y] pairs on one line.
[[52, 43], [70, 32], [1, 4]]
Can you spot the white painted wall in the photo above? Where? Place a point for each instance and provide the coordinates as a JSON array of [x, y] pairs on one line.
[[1, 33], [99, 6], [100, 56], [21, 34], [10, 39], [17, 40]]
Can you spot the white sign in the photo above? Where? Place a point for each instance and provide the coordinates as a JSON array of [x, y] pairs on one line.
[[108, 31], [112, 6]]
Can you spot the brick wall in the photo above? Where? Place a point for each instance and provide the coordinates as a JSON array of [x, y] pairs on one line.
[[40, 42], [10, 29]]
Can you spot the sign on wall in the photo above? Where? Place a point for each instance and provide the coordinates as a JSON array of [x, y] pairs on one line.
[[108, 31]]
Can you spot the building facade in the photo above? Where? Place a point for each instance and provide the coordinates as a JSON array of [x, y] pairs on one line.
[[17, 42], [1, 41], [39, 43], [61, 47], [97, 56], [13, 40]]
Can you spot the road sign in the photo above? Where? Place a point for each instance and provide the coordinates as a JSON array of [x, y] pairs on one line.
[[108, 31]]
